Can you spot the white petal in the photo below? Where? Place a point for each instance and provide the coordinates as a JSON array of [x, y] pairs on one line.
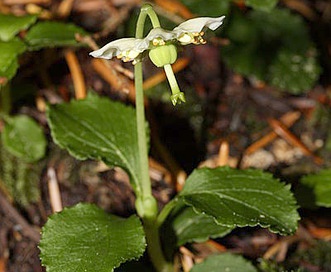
[[197, 24], [158, 32], [120, 46]]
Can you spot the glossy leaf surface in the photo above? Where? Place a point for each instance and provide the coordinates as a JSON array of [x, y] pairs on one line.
[[85, 238], [242, 198], [51, 34], [225, 262], [189, 226], [9, 52], [10, 25], [97, 128]]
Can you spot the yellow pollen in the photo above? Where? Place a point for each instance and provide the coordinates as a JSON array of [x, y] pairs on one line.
[[198, 39], [158, 41]]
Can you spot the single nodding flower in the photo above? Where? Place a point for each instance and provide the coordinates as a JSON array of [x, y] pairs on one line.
[[161, 46]]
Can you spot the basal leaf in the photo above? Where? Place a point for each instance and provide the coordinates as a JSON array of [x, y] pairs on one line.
[[225, 262], [85, 238], [242, 198], [51, 34], [9, 52], [10, 25], [24, 138], [320, 184], [265, 5], [100, 129], [189, 226]]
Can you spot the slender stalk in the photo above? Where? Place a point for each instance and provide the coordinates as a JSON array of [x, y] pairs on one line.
[[146, 205], [165, 211], [141, 131], [140, 112]]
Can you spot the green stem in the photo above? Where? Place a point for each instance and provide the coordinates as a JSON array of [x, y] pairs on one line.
[[146, 9], [154, 247], [146, 190], [165, 211], [146, 204]]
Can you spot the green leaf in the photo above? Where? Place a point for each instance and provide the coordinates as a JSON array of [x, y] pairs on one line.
[[265, 5], [225, 262], [9, 52], [24, 138], [9, 72], [294, 72], [51, 34], [85, 238], [100, 129], [320, 184], [10, 25], [208, 7], [242, 198], [20, 179], [189, 226], [263, 45]]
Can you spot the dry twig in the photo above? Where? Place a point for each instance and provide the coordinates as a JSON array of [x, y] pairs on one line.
[[54, 191], [76, 74]]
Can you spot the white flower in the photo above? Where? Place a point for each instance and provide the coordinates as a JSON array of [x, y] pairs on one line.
[[160, 44], [190, 31], [128, 49]]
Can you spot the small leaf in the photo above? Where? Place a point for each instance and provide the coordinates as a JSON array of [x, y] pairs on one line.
[[9, 52], [242, 198], [100, 129], [189, 226], [24, 138], [225, 262], [265, 5], [20, 179], [294, 72], [320, 184], [85, 238], [10, 25], [51, 34]]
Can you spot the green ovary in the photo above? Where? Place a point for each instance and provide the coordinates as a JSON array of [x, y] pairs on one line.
[[163, 54]]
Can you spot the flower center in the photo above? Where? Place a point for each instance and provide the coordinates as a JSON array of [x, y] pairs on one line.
[[195, 38], [128, 55]]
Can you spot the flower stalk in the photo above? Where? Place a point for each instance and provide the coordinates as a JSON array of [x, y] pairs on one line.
[[148, 208]]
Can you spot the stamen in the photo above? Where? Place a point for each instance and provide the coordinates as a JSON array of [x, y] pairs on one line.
[[158, 41], [198, 39]]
